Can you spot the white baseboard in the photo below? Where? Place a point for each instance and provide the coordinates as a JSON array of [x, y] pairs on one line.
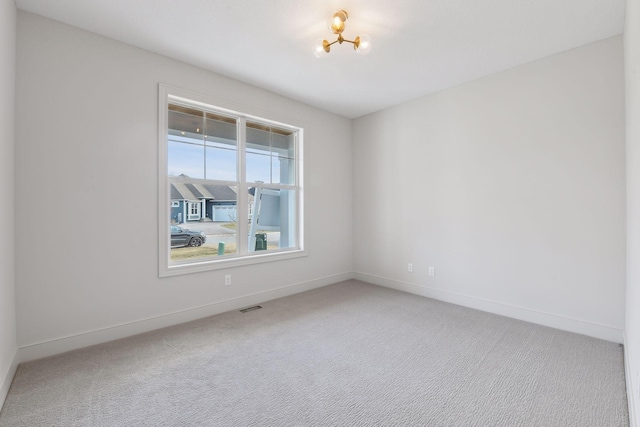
[[7, 378], [631, 402], [73, 342], [546, 319], [63, 344]]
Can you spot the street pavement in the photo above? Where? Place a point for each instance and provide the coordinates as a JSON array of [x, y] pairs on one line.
[[216, 233]]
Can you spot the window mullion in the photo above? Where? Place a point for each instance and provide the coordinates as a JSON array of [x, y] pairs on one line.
[[204, 143], [297, 153], [243, 193]]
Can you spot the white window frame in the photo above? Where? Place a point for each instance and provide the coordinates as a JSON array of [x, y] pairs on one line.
[[191, 208], [244, 257]]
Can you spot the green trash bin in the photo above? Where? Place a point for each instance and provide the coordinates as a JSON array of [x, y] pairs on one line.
[[261, 241]]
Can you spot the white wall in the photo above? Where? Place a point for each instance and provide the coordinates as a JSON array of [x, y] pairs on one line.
[[511, 186], [7, 291], [632, 82], [86, 187]]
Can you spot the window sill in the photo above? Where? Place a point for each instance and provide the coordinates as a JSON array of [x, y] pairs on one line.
[[224, 263]]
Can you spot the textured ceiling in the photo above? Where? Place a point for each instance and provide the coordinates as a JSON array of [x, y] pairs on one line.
[[418, 46]]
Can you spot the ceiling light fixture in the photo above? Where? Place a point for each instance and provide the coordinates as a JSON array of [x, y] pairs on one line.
[[361, 44]]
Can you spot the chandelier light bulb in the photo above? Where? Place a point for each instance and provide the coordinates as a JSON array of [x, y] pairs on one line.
[[337, 21], [362, 44], [318, 48]]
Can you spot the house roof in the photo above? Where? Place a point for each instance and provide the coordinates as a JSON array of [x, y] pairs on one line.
[[221, 192], [180, 191], [182, 188], [197, 192]]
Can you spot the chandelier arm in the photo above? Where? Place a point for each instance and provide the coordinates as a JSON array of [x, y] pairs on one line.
[[337, 26]]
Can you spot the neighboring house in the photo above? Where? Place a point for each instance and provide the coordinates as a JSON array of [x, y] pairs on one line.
[[197, 202]]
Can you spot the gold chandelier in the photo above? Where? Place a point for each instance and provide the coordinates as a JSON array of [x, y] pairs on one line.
[[361, 44]]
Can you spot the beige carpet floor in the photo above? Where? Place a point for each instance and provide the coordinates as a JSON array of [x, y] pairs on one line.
[[350, 354]]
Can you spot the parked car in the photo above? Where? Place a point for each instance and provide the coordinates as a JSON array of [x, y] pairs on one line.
[[183, 237]]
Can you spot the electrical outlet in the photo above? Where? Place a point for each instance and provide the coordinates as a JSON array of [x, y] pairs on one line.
[[227, 280], [432, 271], [410, 268]]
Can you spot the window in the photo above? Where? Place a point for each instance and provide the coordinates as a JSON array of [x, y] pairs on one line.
[[230, 186], [194, 211]]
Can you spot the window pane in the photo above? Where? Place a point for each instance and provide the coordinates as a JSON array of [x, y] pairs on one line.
[[221, 130], [283, 152], [203, 220], [258, 153], [221, 134], [273, 219], [258, 138], [185, 159], [283, 171], [186, 122], [188, 129], [186, 140], [221, 164], [276, 143], [283, 145], [258, 168]]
